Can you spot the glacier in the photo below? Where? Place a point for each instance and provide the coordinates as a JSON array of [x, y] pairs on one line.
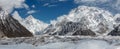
[[82, 44]]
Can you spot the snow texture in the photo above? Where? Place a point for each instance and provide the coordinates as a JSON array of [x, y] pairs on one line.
[[82, 44]]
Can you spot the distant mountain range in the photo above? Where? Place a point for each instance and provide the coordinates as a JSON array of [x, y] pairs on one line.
[[84, 20]]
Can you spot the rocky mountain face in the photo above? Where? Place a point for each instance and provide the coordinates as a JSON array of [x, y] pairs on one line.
[[83, 21], [10, 27], [116, 31], [70, 28]]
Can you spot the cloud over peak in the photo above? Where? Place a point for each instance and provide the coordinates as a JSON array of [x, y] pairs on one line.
[[112, 5], [9, 5]]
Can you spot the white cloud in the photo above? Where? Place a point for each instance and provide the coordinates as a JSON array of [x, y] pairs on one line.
[[33, 6], [52, 5], [31, 11], [113, 5], [53, 1], [62, 0], [79, 1], [9, 5], [46, 4], [25, 6], [49, 5]]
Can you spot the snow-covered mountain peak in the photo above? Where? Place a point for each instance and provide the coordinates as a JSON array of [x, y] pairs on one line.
[[17, 16], [34, 25], [89, 13], [30, 17], [93, 18], [96, 19]]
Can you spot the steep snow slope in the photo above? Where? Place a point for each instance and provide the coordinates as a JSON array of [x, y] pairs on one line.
[[97, 20], [17, 16], [33, 25]]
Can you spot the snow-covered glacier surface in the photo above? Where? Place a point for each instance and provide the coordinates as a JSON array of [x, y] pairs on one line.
[[81, 44], [61, 42]]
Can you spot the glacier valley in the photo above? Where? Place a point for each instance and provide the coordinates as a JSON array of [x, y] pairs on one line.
[[83, 28]]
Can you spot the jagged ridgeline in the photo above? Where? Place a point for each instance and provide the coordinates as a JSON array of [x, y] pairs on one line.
[[86, 21], [10, 27]]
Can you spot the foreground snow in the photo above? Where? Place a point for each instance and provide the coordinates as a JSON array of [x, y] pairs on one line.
[[61, 42], [81, 44]]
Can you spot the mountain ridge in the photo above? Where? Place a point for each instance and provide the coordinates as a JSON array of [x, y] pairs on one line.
[[32, 24], [10, 27], [99, 21]]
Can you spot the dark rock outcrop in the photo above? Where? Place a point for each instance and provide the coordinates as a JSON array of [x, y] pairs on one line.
[[10, 27], [115, 32], [69, 28], [85, 32]]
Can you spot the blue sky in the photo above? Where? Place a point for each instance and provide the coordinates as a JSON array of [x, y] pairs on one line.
[[46, 10]]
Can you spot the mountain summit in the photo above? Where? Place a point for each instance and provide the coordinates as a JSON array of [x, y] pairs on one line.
[[83, 20], [32, 24]]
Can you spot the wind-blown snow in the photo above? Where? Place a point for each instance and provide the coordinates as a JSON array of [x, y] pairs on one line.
[[111, 5]]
